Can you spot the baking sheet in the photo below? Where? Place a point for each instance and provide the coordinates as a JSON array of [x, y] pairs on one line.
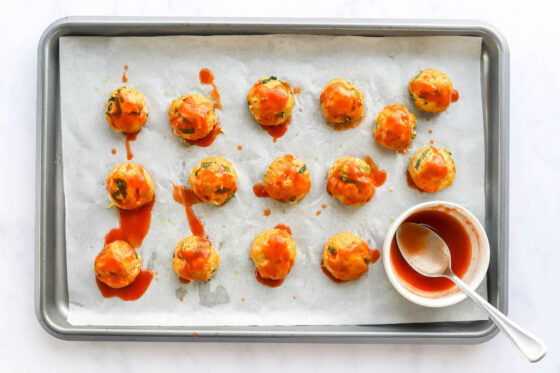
[[163, 68]]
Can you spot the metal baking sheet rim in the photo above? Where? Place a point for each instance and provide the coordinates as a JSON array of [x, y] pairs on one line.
[[51, 295]]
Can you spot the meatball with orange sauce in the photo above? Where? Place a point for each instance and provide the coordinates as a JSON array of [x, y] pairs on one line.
[[117, 265], [192, 116], [394, 127], [432, 91], [271, 101], [346, 256], [195, 259], [214, 180], [274, 254], [287, 179], [130, 186], [126, 110], [432, 169], [342, 102], [353, 180]]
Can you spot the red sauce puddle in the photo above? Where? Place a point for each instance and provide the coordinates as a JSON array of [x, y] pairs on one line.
[[318, 212], [133, 291], [266, 281], [133, 225], [208, 139], [379, 176], [259, 190], [374, 256], [277, 131], [129, 137], [187, 198], [124, 78], [207, 77], [456, 238], [267, 212]]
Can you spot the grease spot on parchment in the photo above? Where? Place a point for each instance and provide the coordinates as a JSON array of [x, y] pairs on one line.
[[208, 298], [180, 292]]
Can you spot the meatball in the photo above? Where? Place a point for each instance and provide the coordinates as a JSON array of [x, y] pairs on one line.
[[350, 180], [346, 256], [394, 127], [126, 110], [432, 169], [195, 259], [432, 91], [192, 116], [287, 179], [271, 101], [130, 186], [117, 265], [274, 254], [214, 180], [342, 102]]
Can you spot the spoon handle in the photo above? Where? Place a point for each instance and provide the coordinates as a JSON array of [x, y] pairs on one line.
[[532, 348]]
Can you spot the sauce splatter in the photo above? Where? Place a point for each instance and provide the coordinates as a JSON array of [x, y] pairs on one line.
[[194, 335], [294, 297], [431, 141], [297, 90], [207, 77], [243, 299], [318, 212], [133, 225], [129, 137], [456, 238], [208, 139], [131, 292], [124, 78], [374, 256], [239, 147], [186, 197], [430, 131], [181, 299], [324, 206], [113, 151], [267, 212]]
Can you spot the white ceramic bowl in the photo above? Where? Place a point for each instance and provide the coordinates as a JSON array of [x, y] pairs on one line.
[[477, 268]]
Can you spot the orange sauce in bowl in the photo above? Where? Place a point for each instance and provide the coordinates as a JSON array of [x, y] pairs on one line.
[[455, 236]]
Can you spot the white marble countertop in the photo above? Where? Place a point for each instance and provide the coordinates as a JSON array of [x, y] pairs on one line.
[[532, 33]]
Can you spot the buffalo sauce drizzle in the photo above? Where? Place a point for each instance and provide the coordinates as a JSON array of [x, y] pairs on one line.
[[277, 251], [208, 139], [187, 198], [207, 77], [133, 227], [124, 78], [129, 137], [456, 238]]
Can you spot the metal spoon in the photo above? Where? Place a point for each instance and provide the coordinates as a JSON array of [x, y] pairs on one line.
[[429, 255]]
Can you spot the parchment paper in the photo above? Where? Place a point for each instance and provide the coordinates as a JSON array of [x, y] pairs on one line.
[[163, 68]]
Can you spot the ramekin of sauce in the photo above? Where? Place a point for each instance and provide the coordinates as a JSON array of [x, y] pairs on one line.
[[468, 245]]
